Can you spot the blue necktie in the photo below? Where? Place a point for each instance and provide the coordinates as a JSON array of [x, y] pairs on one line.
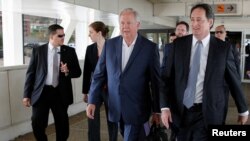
[[189, 94]]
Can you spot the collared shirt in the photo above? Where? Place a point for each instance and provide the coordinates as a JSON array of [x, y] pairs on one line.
[[126, 52], [50, 63], [201, 74], [203, 64]]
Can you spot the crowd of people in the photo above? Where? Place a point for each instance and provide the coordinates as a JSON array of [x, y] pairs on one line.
[[187, 92]]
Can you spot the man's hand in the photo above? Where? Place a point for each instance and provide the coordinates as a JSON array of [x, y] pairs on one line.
[[248, 73], [242, 119], [26, 102], [166, 117], [156, 118], [90, 111], [64, 68], [85, 98]]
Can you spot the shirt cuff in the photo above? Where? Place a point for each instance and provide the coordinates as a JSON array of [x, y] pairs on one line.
[[244, 114], [165, 108]]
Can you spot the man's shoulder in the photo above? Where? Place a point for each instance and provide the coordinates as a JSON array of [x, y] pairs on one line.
[[168, 45]]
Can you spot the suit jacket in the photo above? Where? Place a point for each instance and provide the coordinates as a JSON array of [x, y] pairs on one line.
[[37, 73], [220, 69], [165, 55], [90, 62], [129, 90]]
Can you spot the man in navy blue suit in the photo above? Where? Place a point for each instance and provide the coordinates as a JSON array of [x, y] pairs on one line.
[[130, 65], [181, 29]]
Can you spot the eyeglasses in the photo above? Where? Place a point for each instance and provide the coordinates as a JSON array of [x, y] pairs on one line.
[[61, 36], [217, 32]]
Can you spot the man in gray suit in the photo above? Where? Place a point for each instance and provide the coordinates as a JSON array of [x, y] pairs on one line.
[[130, 65], [48, 84], [193, 93]]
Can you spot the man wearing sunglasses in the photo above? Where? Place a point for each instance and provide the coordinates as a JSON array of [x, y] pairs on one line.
[[221, 33], [48, 84]]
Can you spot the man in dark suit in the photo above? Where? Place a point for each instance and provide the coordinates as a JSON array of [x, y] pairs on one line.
[[48, 84], [221, 33], [181, 29], [130, 64], [193, 92]]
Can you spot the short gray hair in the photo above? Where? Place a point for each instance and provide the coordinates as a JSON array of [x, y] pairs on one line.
[[130, 10]]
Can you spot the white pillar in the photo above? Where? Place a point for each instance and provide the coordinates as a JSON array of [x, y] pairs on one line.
[[81, 39], [12, 32]]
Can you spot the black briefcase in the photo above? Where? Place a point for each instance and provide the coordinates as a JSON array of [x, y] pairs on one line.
[[157, 133]]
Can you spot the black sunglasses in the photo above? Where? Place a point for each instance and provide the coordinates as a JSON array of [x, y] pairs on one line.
[[217, 32], [60, 36]]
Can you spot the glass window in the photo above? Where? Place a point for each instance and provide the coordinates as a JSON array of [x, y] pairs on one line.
[[35, 33]]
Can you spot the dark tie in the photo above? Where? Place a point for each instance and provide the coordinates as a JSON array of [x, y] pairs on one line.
[[189, 94], [55, 73]]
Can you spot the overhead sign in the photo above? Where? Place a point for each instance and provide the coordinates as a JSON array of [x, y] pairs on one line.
[[225, 8]]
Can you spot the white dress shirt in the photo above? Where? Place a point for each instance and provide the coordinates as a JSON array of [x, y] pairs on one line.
[[126, 52], [50, 63], [203, 65]]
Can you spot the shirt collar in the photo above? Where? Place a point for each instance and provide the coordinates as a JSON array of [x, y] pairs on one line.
[[133, 43], [204, 41], [51, 47]]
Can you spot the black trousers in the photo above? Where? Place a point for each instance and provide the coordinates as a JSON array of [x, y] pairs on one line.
[[193, 127], [50, 99]]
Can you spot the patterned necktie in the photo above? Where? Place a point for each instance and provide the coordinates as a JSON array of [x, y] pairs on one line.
[[189, 94], [55, 73]]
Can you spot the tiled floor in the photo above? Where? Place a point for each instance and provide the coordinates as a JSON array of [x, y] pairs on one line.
[[78, 130], [78, 124], [78, 127]]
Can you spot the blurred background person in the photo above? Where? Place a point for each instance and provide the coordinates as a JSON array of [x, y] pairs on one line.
[[221, 33], [97, 32], [172, 37], [182, 29]]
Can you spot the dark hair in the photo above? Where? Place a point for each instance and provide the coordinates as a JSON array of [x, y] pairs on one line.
[[208, 9], [52, 29], [184, 23], [172, 34], [100, 26]]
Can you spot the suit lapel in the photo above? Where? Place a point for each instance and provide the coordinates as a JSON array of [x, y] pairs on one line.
[[134, 53], [45, 57], [188, 47], [119, 54], [211, 55]]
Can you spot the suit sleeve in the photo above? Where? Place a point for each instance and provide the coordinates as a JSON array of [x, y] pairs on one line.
[[30, 76], [167, 79], [164, 59], [233, 79], [99, 78], [155, 79], [86, 73], [73, 66]]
